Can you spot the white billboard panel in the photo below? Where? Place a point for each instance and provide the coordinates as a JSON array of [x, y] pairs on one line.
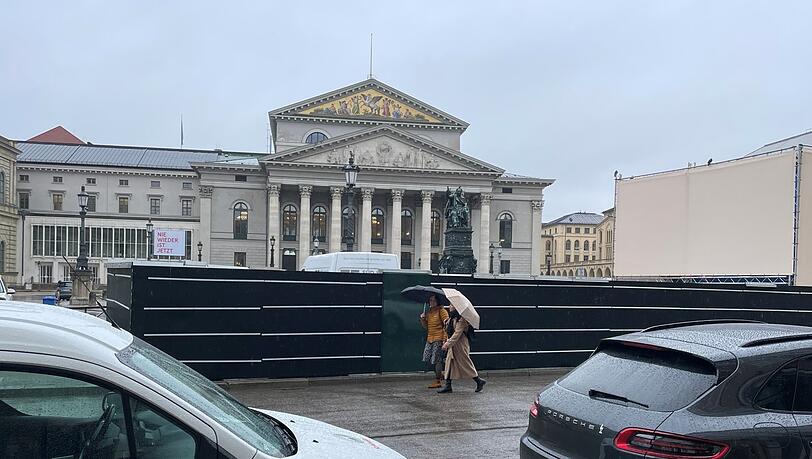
[[728, 219], [169, 242]]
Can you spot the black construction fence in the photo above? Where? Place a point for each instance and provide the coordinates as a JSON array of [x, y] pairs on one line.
[[254, 323]]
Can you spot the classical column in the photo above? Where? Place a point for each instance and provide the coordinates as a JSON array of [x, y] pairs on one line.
[[205, 220], [483, 264], [273, 226], [425, 230], [305, 238], [335, 218], [365, 244], [535, 243], [394, 237]]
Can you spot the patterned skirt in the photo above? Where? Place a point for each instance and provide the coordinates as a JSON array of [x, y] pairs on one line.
[[433, 352]]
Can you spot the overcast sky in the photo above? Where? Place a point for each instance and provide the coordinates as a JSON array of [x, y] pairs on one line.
[[566, 90]]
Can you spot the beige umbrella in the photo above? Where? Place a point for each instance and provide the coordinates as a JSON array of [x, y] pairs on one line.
[[463, 306]]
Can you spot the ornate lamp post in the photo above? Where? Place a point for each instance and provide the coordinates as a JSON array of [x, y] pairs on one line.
[[273, 242], [549, 262], [81, 262], [199, 251], [492, 247], [499, 254], [150, 235], [350, 176]]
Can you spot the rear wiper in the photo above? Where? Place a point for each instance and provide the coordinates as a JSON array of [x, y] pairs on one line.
[[598, 394]]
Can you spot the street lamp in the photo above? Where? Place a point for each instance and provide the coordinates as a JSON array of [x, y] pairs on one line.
[[315, 245], [81, 262], [199, 251], [492, 247], [273, 242], [350, 176], [150, 235], [499, 254], [549, 262]]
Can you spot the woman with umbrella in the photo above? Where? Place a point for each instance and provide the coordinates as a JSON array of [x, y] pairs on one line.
[[463, 319], [433, 321]]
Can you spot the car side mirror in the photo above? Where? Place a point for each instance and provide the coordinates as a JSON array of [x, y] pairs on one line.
[[11, 291]]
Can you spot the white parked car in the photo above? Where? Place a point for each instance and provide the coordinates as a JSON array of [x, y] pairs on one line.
[[5, 293], [74, 386], [351, 262]]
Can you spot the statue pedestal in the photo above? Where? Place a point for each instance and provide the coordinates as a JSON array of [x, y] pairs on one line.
[[458, 257]]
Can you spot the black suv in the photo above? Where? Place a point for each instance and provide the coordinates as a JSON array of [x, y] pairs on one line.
[[709, 389], [64, 290]]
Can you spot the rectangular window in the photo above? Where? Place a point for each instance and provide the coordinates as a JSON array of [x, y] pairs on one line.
[[141, 244], [50, 239], [61, 240], [593, 257], [24, 178], [188, 245], [187, 185], [38, 240], [107, 242], [57, 198], [66, 273], [186, 207], [129, 246], [123, 204], [239, 258], [95, 242], [155, 184], [566, 258], [507, 190], [57, 179], [23, 200], [91, 180], [91, 203], [406, 260], [504, 266], [240, 178], [569, 230], [586, 257], [73, 241], [123, 182], [118, 242], [155, 206], [577, 230], [46, 272]]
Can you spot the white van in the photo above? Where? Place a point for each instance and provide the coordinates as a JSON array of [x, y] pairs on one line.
[[351, 262]]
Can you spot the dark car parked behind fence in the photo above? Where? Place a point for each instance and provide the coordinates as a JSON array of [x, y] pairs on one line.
[[64, 290], [710, 389]]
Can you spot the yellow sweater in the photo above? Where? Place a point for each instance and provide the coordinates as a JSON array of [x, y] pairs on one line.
[[434, 324]]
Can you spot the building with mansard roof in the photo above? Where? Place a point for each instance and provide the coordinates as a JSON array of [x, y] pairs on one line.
[[409, 153], [235, 203]]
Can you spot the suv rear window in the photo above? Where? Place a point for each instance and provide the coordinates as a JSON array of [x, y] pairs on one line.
[[663, 379]]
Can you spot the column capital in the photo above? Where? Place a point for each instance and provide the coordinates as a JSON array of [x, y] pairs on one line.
[[305, 190], [397, 195], [535, 206], [366, 193], [336, 191], [206, 191], [427, 195], [273, 190], [485, 198]]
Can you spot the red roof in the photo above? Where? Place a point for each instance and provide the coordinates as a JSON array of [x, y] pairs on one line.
[[57, 135]]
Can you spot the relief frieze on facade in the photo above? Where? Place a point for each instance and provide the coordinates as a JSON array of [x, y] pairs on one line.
[[386, 154]]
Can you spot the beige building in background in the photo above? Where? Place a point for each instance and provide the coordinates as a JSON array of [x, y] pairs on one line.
[[9, 217], [579, 244], [743, 220]]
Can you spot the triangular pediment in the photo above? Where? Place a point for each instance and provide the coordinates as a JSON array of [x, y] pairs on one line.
[[370, 101], [385, 147]]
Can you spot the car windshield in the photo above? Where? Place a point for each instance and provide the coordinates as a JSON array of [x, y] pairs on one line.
[[206, 396]]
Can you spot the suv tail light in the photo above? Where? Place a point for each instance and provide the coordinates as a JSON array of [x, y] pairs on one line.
[[534, 408], [668, 446]]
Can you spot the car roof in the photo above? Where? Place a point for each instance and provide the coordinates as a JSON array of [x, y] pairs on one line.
[[56, 330], [735, 337]]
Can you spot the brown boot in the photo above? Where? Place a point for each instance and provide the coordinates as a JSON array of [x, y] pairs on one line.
[[436, 384]]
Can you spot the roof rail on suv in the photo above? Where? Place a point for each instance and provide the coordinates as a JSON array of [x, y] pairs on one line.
[[778, 339], [700, 322]]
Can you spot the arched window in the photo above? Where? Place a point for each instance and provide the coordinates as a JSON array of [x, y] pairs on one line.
[[577, 244], [2, 187], [240, 220], [316, 137], [377, 226], [568, 245], [608, 273], [600, 272], [348, 223], [436, 227], [506, 229], [586, 245], [320, 223], [571, 274], [600, 237], [406, 226], [591, 273], [290, 222], [548, 245]]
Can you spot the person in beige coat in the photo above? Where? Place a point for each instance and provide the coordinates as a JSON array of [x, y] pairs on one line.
[[458, 362]]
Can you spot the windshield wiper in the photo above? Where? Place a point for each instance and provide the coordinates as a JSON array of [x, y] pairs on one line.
[[598, 394]]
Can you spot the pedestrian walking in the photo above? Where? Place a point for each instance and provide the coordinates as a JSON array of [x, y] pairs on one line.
[[434, 321], [463, 318]]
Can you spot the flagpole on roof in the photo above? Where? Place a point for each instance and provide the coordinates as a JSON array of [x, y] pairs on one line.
[[370, 56], [181, 130]]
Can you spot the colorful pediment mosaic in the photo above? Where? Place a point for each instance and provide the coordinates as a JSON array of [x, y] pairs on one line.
[[371, 104]]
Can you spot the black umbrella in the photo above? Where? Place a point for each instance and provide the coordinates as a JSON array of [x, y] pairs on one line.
[[421, 294]]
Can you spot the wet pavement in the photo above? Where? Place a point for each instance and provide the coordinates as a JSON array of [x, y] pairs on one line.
[[403, 414]]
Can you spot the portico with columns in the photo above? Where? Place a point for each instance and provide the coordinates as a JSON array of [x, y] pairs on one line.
[[409, 154]]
